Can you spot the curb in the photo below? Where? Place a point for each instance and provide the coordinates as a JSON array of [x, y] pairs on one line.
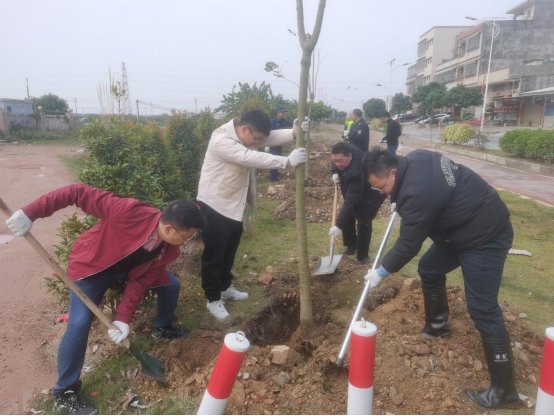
[[502, 161]]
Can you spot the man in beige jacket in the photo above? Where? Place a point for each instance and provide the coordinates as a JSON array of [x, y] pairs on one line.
[[226, 186]]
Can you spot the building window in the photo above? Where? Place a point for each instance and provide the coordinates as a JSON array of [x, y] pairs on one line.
[[420, 64], [427, 79], [429, 61], [471, 69], [460, 72], [421, 47], [9, 108], [473, 42], [461, 48]]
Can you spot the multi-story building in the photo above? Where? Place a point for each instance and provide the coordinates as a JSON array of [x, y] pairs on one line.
[[433, 47], [522, 56]]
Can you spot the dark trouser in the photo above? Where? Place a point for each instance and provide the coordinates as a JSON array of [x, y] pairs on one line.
[[363, 239], [365, 229], [73, 346], [482, 269], [221, 238], [275, 150], [392, 149]]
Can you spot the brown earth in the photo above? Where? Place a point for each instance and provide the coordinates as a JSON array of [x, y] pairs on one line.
[[28, 313]]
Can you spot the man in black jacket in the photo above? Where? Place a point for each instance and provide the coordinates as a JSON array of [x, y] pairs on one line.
[[393, 133], [361, 203], [470, 228], [359, 131]]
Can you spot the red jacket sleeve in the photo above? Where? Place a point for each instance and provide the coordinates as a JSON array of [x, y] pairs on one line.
[[101, 204], [155, 276]]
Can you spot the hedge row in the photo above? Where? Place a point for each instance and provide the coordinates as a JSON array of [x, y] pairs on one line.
[[530, 144]]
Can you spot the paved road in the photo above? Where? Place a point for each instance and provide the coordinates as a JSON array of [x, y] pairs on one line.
[[531, 185]]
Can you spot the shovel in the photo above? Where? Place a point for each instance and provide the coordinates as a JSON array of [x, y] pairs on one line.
[[149, 365], [365, 293], [327, 265]]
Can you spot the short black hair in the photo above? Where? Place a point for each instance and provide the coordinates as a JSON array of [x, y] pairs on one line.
[[341, 147], [357, 111], [379, 162], [183, 215], [385, 114], [257, 119]]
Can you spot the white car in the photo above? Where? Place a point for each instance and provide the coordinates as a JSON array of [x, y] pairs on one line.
[[438, 117]]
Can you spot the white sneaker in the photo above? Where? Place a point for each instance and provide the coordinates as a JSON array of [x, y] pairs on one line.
[[234, 294], [217, 309]]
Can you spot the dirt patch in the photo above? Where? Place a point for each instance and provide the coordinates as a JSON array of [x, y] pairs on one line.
[[319, 189], [412, 374]]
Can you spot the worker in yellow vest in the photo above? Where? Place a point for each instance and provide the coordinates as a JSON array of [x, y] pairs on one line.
[[347, 126]]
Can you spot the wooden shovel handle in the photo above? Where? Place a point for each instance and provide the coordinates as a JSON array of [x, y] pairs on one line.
[[59, 272], [334, 210]]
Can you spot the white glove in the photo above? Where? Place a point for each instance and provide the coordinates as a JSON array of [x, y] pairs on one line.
[[267, 149], [298, 156], [373, 278], [305, 125], [334, 231], [19, 223], [118, 335], [335, 177], [393, 208]]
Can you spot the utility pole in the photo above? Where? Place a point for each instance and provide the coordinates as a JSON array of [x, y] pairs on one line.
[[75, 100], [28, 95], [126, 108], [196, 107], [138, 113]]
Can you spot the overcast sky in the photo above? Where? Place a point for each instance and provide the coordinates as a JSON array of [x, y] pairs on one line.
[[176, 51]]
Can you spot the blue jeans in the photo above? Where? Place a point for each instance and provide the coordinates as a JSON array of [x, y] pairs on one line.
[[71, 352], [274, 150], [482, 269], [392, 149]]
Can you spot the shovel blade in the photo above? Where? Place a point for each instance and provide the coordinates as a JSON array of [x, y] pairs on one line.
[[327, 265], [149, 365]]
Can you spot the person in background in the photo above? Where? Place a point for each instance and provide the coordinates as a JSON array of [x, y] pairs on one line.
[[393, 133], [361, 203], [359, 131], [278, 123], [226, 185]]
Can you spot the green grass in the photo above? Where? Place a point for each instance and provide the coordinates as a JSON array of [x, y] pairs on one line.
[[322, 128], [74, 163], [272, 241]]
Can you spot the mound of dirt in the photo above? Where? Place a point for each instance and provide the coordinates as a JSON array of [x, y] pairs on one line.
[[413, 375]]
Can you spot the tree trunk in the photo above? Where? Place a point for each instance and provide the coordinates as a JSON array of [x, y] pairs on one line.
[[306, 320]]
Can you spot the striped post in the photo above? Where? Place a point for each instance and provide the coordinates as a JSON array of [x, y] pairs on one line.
[[545, 395], [224, 375], [362, 365]]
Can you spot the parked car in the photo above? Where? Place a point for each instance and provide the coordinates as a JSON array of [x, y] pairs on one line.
[[438, 117], [406, 117], [395, 117]]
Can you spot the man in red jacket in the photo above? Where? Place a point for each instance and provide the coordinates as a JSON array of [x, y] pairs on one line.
[[132, 242]]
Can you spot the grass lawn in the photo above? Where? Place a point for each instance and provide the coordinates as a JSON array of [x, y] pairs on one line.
[[74, 163], [527, 287], [496, 152]]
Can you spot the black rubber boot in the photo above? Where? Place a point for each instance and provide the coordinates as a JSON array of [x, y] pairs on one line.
[[436, 314], [500, 360]]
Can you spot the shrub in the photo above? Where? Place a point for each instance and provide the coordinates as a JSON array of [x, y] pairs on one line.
[[138, 161], [377, 124], [481, 140], [532, 144], [457, 134]]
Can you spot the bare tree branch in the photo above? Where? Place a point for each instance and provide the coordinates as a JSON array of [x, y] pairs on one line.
[[300, 19], [318, 23]]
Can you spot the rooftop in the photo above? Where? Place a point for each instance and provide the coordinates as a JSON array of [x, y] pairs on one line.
[[519, 8]]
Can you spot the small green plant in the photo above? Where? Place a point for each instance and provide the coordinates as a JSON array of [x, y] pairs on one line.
[[377, 124], [481, 140], [457, 134]]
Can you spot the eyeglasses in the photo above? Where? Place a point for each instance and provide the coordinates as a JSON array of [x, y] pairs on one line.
[[383, 187], [256, 139], [184, 239]]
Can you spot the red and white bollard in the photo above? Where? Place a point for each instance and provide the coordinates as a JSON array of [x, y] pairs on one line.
[[224, 375], [545, 395], [362, 366]]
